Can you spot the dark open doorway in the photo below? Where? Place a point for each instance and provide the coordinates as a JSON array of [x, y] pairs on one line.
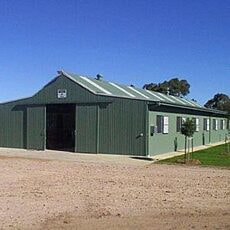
[[60, 127]]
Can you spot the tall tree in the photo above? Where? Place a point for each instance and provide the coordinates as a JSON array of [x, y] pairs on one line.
[[219, 101], [174, 87]]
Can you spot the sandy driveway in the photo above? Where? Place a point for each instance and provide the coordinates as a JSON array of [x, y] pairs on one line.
[[102, 193]]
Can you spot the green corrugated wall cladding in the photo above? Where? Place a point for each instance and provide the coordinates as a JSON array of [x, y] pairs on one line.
[[120, 125], [120, 120], [103, 124], [36, 128], [75, 93], [112, 127], [13, 124], [86, 128], [163, 143]]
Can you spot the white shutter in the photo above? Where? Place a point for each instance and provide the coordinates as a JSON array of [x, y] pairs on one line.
[[166, 125], [183, 120], [208, 124], [197, 124], [223, 124], [216, 128]]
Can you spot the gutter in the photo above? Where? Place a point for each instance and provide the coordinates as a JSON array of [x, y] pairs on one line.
[[190, 108]]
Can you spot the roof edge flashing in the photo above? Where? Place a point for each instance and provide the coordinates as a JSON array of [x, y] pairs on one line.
[[62, 72], [191, 108]]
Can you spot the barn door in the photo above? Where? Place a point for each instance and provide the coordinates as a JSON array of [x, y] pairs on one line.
[[86, 136], [36, 128]]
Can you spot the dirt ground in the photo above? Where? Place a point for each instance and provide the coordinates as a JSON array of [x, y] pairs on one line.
[[92, 193]]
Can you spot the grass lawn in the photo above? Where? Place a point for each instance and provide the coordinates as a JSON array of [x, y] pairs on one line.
[[214, 156]]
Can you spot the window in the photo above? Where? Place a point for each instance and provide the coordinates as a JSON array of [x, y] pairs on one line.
[[196, 122], [215, 124], [159, 124], [222, 124], [206, 124], [181, 120], [178, 124], [62, 93], [162, 124]]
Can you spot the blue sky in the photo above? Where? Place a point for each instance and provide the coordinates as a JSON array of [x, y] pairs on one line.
[[128, 41]]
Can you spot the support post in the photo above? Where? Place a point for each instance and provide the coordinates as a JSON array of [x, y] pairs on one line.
[[185, 149]]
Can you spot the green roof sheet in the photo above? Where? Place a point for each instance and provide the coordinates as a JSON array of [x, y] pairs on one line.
[[111, 89]]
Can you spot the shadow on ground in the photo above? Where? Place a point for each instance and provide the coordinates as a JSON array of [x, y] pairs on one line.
[[142, 158]]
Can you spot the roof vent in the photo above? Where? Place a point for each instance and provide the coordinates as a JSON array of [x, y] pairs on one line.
[[60, 71], [99, 77]]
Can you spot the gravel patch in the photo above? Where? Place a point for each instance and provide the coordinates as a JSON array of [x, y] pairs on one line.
[[102, 193]]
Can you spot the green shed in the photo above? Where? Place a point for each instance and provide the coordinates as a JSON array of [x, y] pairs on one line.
[[90, 115]]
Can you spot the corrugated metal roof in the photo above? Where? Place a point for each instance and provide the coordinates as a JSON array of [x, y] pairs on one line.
[[105, 88]]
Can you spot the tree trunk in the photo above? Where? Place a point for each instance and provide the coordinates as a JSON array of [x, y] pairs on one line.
[[192, 150], [185, 150], [188, 150]]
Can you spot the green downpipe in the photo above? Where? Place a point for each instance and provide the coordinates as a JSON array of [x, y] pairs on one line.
[[98, 129], [146, 130]]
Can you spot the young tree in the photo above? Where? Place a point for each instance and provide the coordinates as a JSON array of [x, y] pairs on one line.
[[188, 129]]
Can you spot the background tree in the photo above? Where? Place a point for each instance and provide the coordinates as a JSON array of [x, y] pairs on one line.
[[174, 87], [219, 101], [188, 129]]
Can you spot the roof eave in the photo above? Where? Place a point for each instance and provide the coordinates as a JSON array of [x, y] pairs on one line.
[[191, 108]]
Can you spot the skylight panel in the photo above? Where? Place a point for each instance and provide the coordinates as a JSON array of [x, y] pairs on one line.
[[152, 93], [167, 98], [190, 102], [78, 82], [138, 92], [96, 85], [179, 100], [121, 89]]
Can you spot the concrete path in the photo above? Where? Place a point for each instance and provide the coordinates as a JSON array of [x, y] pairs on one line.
[[74, 157], [84, 157], [181, 152]]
